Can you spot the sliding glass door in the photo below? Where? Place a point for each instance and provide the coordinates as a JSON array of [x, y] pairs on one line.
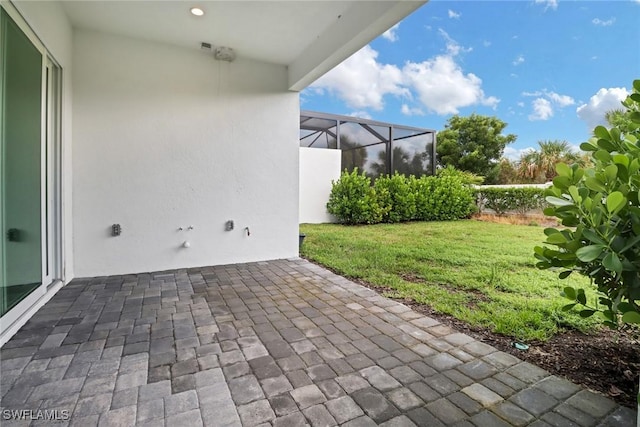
[[28, 116]]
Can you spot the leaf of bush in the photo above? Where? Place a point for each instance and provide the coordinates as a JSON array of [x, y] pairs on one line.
[[612, 262], [623, 307], [601, 132], [615, 202], [589, 253], [556, 239], [586, 313], [594, 184], [573, 191], [581, 297], [563, 169], [611, 172], [591, 235], [568, 307], [631, 317], [602, 155], [564, 274], [569, 293], [606, 145], [557, 201], [585, 146]]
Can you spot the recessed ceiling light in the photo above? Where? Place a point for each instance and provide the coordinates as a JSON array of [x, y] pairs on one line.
[[197, 11]]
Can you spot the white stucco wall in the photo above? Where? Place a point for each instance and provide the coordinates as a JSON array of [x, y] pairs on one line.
[[166, 138], [318, 167], [51, 26]]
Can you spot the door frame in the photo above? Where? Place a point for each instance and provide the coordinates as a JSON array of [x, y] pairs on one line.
[[50, 188]]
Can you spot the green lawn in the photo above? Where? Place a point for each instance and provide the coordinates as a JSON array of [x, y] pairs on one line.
[[482, 273]]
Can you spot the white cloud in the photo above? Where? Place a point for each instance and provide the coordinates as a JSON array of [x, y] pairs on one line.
[[560, 100], [391, 34], [520, 104], [453, 47], [411, 111], [604, 100], [453, 14], [545, 103], [443, 87], [599, 22], [542, 109], [515, 153], [519, 60], [439, 83], [362, 82], [360, 114], [549, 4], [487, 43]]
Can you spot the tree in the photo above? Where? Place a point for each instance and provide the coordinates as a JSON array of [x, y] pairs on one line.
[[353, 155], [403, 162], [474, 144], [540, 165], [618, 118], [508, 173]]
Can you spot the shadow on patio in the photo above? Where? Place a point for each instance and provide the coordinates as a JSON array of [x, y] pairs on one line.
[[283, 343]]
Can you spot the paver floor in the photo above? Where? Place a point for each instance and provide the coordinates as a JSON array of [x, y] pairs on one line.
[[282, 343]]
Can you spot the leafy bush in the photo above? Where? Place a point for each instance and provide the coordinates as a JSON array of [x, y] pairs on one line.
[[602, 203], [396, 198], [442, 198], [503, 200], [353, 200], [468, 178]]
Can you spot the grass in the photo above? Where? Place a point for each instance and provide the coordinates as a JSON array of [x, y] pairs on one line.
[[479, 272]]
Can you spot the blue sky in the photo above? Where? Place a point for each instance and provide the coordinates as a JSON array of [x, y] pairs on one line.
[[549, 68]]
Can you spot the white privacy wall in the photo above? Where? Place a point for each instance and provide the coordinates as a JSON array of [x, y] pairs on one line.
[[318, 167], [166, 137]]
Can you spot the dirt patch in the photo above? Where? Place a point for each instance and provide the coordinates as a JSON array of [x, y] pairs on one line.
[[518, 219], [410, 277], [606, 361], [474, 296]]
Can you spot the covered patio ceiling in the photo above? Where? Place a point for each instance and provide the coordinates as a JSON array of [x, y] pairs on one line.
[[306, 36]]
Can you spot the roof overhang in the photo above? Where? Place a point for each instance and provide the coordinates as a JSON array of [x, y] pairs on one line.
[[308, 37]]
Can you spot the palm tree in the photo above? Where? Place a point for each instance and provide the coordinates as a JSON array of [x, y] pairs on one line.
[[540, 165]]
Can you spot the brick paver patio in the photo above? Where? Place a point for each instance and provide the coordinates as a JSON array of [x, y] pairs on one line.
[[282, 343]]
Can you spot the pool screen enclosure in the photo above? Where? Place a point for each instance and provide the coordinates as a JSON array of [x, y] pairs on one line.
[[377, 148]]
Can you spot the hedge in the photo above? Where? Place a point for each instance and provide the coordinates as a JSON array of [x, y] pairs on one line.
[[398, 198], [508, 199]]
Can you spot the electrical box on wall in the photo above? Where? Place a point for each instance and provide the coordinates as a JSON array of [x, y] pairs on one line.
[[222, 53]]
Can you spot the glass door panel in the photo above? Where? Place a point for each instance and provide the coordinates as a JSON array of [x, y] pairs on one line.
[[21, 164]]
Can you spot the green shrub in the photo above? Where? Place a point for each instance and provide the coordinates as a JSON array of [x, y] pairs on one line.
[[353, 200], [603, 204], [396, 198], [442, 198], [502, 200], [468, 178]]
